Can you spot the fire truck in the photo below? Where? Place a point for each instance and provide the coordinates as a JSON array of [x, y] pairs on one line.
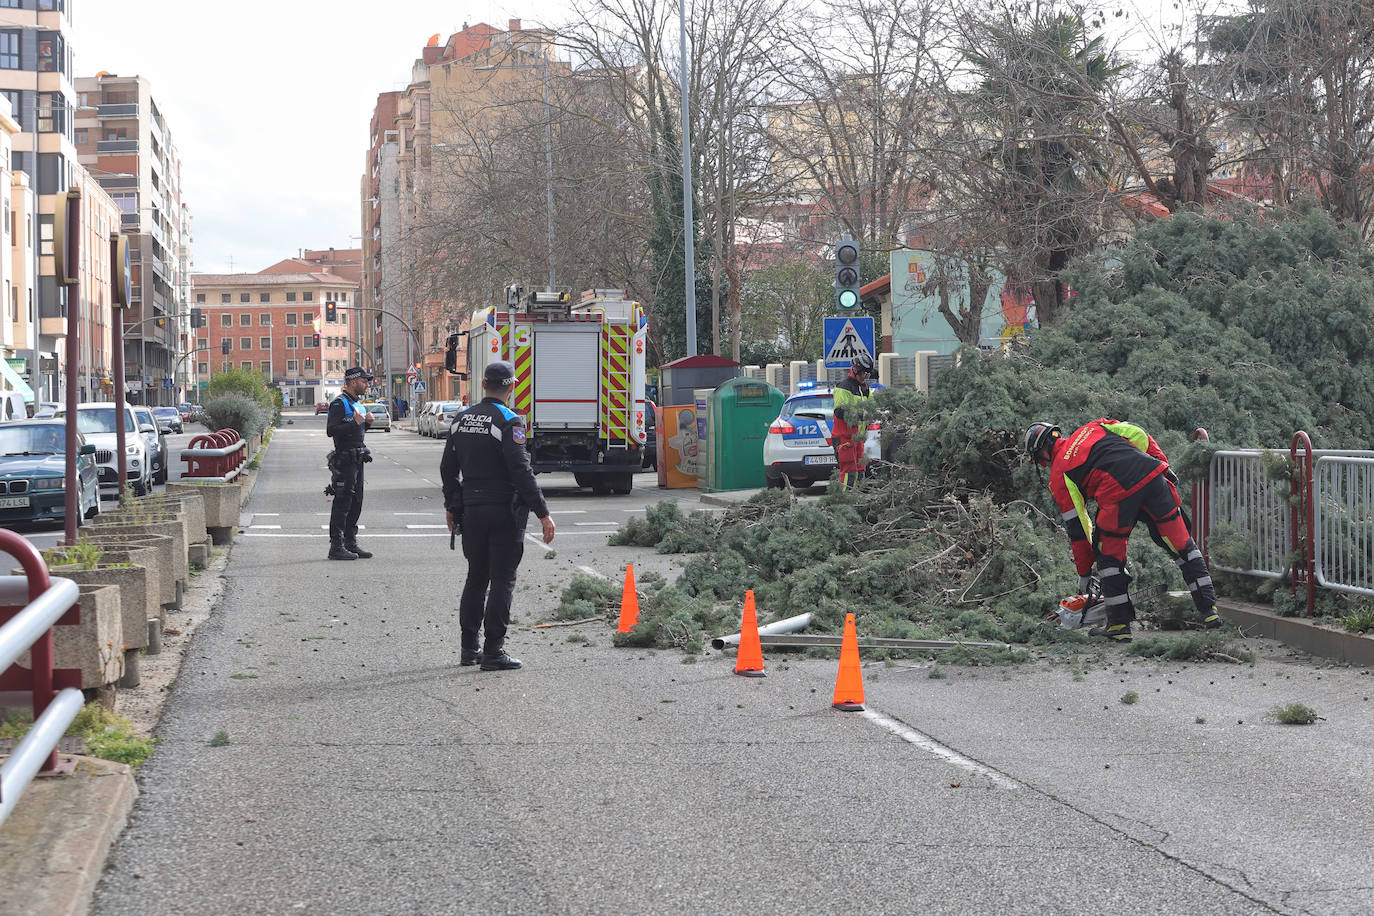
[[579, 379]]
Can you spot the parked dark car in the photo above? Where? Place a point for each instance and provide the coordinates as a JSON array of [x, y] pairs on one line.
[[33, 467], [168, 419]]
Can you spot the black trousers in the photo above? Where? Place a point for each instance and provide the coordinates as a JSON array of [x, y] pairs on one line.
[[493, 542], [348, 503]]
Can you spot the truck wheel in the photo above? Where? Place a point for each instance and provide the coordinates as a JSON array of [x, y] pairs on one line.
[[586, 480], [621, 483]]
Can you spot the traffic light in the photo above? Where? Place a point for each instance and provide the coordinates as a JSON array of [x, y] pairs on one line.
[[161, 322], [224, 346], [197, 318], [316, 342], [451, 353], [331, 311], [847, 273]]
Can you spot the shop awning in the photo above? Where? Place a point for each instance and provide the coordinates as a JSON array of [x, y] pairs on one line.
[[16, 381]]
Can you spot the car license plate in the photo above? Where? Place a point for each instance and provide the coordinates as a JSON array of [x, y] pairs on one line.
[[13, 502], [819, 459]]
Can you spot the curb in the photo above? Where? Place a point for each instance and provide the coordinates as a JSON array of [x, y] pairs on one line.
[[1300, 633], [54, 846]]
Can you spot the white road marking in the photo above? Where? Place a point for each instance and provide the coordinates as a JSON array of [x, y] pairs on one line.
[[278, 527], [931, 746], [264, 514], [441, 527], [591, 524], [375, 534], [567, 511], [326, 527]]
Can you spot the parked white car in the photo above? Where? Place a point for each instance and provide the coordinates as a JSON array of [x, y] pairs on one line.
[[96, 421], [381, 418]]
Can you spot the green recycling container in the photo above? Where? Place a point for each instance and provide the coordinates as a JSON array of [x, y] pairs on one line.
[[739, 414]]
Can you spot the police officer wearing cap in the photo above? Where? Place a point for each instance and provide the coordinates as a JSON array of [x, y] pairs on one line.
[[489, 492], [348, 420]]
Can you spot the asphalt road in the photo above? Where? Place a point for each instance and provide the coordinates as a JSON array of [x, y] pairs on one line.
[[366, 773]]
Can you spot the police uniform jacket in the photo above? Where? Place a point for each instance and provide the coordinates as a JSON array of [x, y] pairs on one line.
[[485, 462], [341, 427]]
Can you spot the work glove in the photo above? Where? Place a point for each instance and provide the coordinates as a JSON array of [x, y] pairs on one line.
[[1170, 476], [1084, 583]]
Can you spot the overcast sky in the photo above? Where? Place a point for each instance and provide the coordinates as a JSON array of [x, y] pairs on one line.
[[269, 104]]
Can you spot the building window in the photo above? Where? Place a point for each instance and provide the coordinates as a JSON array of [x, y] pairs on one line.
[[291, 365], [265, 297], [200, 298], [79, 138], [245, 320], [246, 364], [290, 318], [343, 318], [266, 367], [202, 368], [306, 317], [225, 298], [265, 319], [290, 297], [226, 320], [246, 343], [309, 296], [245, 297], [291, 343], [264, 343], [9, 50]]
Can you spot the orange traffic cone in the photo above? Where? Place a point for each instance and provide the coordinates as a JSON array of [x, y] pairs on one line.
[[629, 602], [849, 684], [749, 659]]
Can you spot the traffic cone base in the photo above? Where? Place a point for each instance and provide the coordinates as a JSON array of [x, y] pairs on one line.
[[749, 659], [849, 683], [629, 602]]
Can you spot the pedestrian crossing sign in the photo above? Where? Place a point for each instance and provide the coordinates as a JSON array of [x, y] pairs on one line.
[[846, 338]]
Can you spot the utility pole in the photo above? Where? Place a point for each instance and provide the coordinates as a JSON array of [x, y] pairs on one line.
[[688, 224]]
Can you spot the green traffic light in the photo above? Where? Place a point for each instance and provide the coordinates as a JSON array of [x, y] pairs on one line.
[[848, 299]]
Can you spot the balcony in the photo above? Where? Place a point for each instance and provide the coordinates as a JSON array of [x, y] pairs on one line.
[[117, 110], [116, 146]]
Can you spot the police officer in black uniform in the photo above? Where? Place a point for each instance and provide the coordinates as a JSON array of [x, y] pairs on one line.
[[348, 420], [489, 492]]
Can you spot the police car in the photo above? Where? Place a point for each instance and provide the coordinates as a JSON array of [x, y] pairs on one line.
[[798, 446]]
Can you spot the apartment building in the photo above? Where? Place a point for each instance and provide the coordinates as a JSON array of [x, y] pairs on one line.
[[411, 129], [36, 78], [267, 321], [16, 255], [122, 138]]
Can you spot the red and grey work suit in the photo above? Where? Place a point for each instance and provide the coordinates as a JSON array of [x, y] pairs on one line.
[[849, 439], [1120, 466]]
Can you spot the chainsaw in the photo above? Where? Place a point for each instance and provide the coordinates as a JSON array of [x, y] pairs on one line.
[[1078, 611]]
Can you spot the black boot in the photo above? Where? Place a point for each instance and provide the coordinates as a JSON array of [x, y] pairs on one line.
[[353, 548], [499, 662], [339, 552], [470, 657]]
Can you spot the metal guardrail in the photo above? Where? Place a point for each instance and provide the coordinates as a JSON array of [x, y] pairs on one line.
[[1313, 524], [29, 629], [216, 456], [1343, 523]]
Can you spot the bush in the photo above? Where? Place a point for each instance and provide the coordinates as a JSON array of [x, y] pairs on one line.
[[238, 412]]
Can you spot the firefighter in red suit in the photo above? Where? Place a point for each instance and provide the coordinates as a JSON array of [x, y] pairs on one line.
[[849, 437], [1123, 469]]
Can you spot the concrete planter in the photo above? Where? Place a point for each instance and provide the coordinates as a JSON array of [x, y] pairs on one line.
[[137, 600], [190, 505], [169, 588], [94, 645], [221, 502], [172, 526]]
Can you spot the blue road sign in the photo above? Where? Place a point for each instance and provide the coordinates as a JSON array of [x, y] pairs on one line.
[[845, 338]]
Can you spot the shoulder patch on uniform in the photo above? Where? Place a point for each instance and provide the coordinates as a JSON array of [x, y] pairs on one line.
[[518, 434]]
